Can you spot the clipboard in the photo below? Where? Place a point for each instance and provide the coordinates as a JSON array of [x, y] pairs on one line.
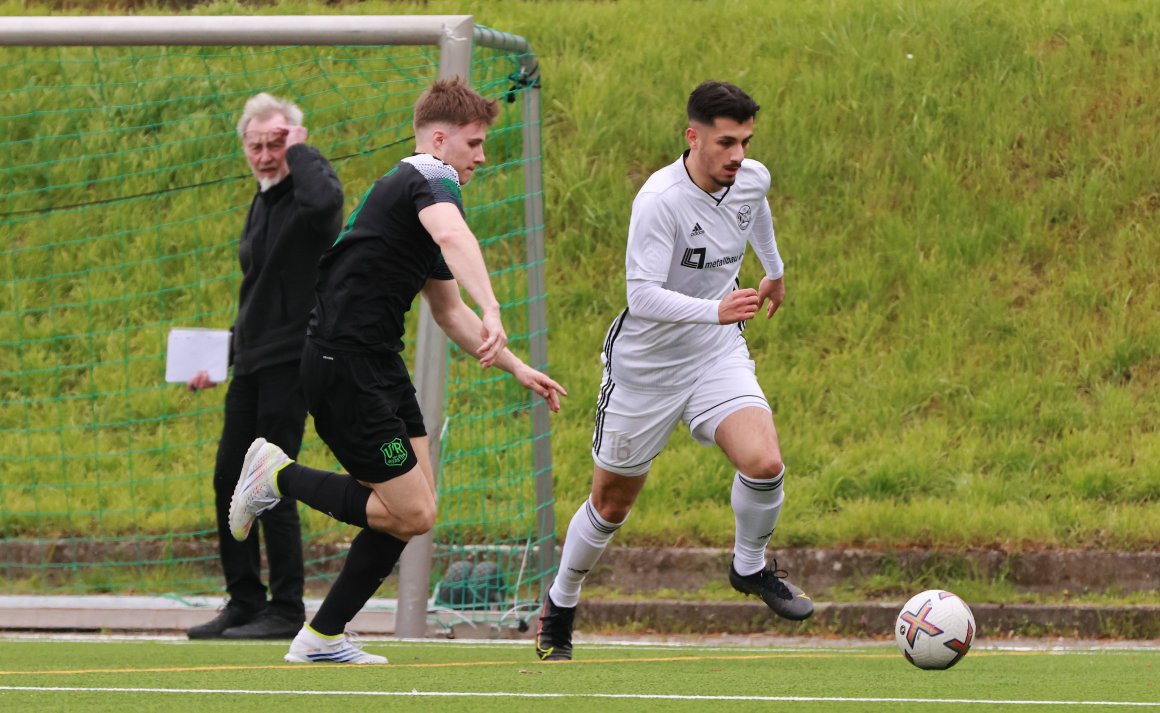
[[191, 350]]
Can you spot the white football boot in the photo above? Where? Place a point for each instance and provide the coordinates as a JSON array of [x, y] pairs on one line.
[[312, 647], [257, 488]]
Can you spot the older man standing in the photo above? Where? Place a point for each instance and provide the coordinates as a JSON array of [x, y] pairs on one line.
[[295, 215]]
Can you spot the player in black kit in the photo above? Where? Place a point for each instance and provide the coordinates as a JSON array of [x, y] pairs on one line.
[[407, 236]]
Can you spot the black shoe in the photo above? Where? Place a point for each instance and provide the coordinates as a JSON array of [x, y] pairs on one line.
[[229, 616], [554, 637], [267, 625], [786, 600]]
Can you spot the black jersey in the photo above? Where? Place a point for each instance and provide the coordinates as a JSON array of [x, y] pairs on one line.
[[369, 278]]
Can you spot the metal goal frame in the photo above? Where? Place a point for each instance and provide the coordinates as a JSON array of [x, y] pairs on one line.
[[454, 35]]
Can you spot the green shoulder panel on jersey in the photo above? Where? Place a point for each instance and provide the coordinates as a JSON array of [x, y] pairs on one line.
[[354, 214], [452, 187]]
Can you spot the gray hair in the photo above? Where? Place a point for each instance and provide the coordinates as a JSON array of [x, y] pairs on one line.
[[263, 106]]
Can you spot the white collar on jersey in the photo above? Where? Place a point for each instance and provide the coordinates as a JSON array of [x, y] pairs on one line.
[[717, 198]]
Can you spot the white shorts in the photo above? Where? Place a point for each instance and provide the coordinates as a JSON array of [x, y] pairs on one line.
[[633, 426]]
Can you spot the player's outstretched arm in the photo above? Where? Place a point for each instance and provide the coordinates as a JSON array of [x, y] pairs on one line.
[[462, 254], [462, 326]]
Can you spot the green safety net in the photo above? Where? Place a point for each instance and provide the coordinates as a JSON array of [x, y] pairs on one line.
[[123, 191]]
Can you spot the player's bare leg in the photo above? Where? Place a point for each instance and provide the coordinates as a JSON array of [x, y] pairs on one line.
[[589, 533], [403, 506], [748, 438], [614, 495], [421, 446]]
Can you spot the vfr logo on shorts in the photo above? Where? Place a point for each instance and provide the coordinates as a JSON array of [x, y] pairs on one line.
[[394, 454]]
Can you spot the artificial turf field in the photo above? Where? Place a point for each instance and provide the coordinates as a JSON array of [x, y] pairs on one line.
[[118, 674]]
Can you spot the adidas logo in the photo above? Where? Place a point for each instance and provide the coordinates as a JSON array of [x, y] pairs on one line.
[[696, 230]]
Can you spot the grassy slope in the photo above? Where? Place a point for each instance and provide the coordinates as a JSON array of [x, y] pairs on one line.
[[965, 197]]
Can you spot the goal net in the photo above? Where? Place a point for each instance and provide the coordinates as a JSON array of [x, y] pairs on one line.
[[123, 190]]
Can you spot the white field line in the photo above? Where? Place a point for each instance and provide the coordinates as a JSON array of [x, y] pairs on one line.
[[607, 696], [1053, 646]]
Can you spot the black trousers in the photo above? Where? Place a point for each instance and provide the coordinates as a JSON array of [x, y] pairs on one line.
[[266, 403]]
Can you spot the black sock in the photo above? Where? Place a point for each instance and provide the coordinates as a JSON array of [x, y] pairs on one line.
[[371, 558], [340, 496]]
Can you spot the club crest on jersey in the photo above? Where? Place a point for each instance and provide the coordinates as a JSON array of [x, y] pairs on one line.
[[744, 216]]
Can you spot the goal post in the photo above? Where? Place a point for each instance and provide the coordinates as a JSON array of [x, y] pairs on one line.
[[120, 209]]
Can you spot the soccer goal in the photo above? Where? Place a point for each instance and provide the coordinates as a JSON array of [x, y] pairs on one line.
[[122, 194]]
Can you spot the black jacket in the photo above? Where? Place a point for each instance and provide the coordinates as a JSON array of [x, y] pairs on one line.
[[286, 231]]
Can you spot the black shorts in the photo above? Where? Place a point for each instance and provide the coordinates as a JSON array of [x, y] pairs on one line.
[[364, 408]]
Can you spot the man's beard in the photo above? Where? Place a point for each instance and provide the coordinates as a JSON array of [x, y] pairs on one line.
[[265, 184], [727, 182]]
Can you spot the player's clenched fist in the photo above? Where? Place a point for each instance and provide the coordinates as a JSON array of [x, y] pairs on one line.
[[738, 306]]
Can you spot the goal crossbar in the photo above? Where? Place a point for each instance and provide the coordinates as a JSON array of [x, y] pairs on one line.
[[225, 30], [355, 30]]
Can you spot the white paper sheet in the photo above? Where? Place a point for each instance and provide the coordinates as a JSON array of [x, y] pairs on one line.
[[192, 350]]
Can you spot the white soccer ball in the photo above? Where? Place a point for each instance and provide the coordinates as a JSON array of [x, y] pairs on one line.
[[935, 629]]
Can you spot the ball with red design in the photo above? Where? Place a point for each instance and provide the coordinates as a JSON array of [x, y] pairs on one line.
[[935, 629]]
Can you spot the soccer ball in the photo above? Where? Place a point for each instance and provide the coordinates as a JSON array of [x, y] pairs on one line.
[[935, 629]]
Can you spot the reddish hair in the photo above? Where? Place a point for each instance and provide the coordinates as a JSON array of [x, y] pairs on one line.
[[451, 101]]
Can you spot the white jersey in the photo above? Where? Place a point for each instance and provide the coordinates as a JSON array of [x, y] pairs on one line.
[[692, 243]]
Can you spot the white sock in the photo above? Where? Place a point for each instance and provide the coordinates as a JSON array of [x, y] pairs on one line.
[[588, 536], [756, 507]]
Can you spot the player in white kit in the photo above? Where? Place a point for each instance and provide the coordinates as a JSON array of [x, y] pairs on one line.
[[678, 353]]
